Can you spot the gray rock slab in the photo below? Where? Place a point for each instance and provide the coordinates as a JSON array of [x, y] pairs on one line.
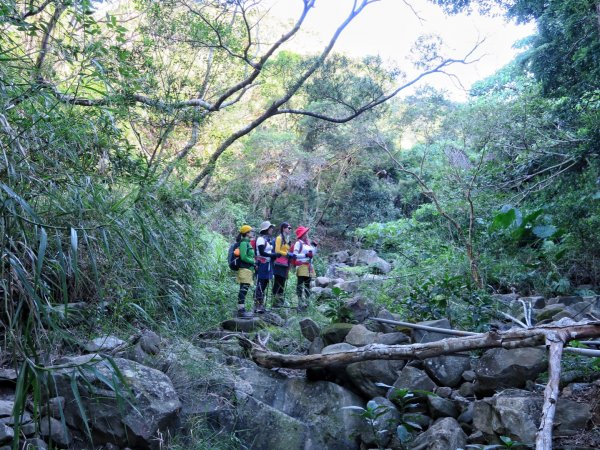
[[441, 407], [242, 324], [502, 368], [8, 376], [6, 408], [104, 344], [395, 338], [335, 333], [150, 342], [152, 408], [54, 431], [6, 434], [444, 434], [323, 282], [309, 329], [448, 370], [359, 336], [414, 379], [366, 375]]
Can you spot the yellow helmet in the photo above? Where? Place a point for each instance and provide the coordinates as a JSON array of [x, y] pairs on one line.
[[245, 229]]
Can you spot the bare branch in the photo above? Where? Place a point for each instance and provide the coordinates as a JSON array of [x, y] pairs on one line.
[[273, 108], [59, 9], [384, 98]]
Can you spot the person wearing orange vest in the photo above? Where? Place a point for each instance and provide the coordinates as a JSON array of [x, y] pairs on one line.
[[304, 250]]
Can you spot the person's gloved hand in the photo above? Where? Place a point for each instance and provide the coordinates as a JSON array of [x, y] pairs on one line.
[[309, 254], [292, 255]]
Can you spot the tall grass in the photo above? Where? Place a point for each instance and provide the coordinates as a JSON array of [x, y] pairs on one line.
[[81, 223]]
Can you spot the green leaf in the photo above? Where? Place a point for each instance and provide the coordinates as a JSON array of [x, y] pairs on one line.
[[75, 390], [504, 219], [596, 196], [544, 231], [40, 255], [74, 248], [403, 434]]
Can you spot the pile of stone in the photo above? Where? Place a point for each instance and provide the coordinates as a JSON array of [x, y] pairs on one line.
[[459, 399], [150, 389]]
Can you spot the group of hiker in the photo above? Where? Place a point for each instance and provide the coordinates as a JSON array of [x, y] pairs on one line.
[[268, 257]]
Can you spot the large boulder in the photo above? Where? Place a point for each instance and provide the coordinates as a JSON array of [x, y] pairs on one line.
[[6, 434], [361, 308], [340, 257], [444, 370], [141, 405], [371, 259], [423, 336], [265, 409], [335, 333], [359, 336], [323, 282], [517, 414], [104, 344], [501, 368], [444, 434], [309, 329], [414, 379], [273, 411], [448, 370], [441, 407], [338, 271], [246, 325], [366, 375], [54, 431]]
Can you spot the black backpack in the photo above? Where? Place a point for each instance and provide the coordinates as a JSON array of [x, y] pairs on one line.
[[232, 260]]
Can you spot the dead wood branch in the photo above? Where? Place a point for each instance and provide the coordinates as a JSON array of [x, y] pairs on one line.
[[513, 338], [578, 351], [543, 439]]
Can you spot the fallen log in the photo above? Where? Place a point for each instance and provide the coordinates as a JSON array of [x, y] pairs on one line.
[[513, 338]]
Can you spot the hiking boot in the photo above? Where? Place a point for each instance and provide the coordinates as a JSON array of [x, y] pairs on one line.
[[243, 314]]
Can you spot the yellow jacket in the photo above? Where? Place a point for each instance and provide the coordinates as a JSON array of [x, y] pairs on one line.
[[281, 246]]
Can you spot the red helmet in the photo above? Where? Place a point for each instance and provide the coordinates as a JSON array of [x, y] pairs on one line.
[[301, 231]]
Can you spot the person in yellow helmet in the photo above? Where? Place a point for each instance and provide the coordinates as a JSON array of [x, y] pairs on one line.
[[245, 273]]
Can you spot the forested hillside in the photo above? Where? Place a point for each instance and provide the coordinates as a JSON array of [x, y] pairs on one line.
[[137, 138]]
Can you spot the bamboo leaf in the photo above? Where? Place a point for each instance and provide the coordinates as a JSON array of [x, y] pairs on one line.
[[74, 250], [40, 255], [80, 406]]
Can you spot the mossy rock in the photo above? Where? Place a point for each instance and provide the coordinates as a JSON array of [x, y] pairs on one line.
[[335, 333]]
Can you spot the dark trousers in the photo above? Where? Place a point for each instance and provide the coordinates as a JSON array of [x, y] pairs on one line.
[[278, 290], [259, 292], [242, 294], [303, 289]]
